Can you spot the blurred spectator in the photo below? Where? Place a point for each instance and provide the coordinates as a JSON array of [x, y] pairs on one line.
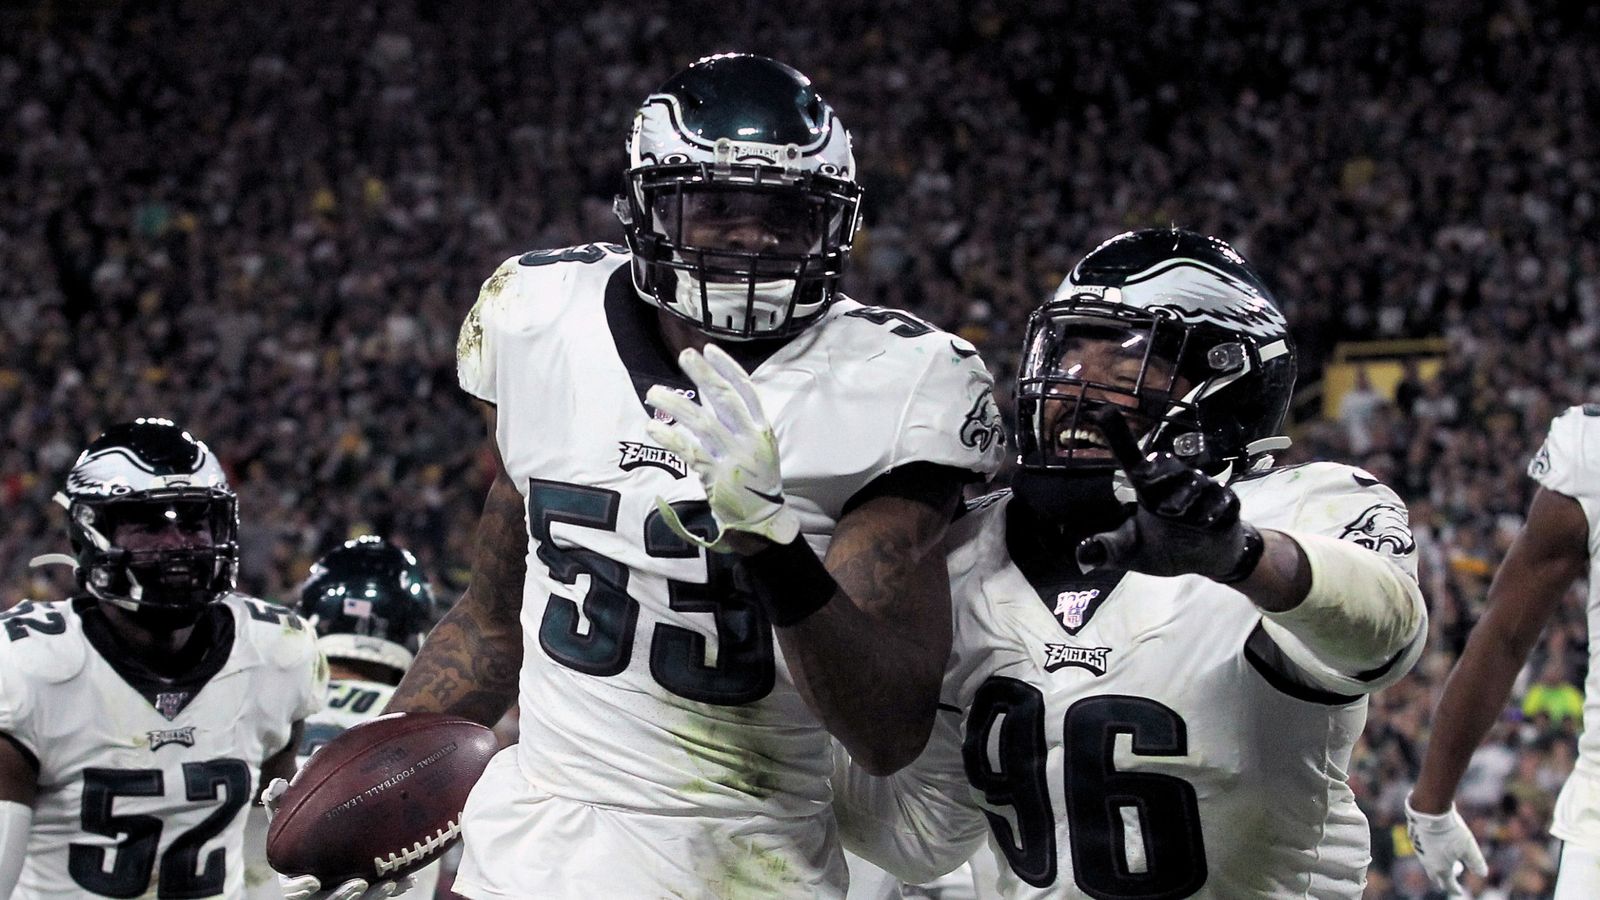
[[1554, 702], [1359, 412]]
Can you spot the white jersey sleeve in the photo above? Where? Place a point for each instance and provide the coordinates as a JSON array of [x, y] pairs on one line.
[[27, 665], [936, 428], [288, 647], [1330, 500], [892, 390], [475, 346], [510, 300], [918, 823], [1569, 461]]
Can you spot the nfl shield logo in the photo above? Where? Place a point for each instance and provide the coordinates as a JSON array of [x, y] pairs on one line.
[[169, 705], [1071, 604]]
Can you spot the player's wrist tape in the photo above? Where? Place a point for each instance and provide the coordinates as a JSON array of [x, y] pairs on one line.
[[790, 581], [1254, 547]]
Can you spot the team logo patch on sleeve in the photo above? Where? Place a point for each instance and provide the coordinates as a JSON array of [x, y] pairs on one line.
[[635, 454], [1539, 467], [1382, 527], [1059, 656], [981, 428], [184, 736]]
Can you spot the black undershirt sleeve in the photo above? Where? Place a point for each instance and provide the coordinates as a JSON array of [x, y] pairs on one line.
[[932, 484]]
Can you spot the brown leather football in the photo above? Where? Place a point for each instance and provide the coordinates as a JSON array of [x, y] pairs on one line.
[[381, 800]]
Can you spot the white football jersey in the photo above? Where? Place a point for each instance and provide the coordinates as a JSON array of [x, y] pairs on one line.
[[1150, 737], [144, 783], [1569, 463], [642, 655], [350, 702]]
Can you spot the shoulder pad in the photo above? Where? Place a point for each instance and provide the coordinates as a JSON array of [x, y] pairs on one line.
[[1331, 499], [524, 293], [275, 635], [42, 641], [1569, 459]]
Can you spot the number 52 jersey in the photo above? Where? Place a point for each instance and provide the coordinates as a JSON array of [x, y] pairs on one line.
[[1151, 738], [144, 782]]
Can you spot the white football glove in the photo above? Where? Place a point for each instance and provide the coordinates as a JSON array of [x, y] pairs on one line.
[[307, 887], [1445, 846], [726, 440]]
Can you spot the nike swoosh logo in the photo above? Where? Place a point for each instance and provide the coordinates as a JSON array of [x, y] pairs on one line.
[[1365, 482], [964, 354], [775, 499]]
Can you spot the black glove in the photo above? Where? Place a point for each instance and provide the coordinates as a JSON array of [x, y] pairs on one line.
[[1185, 524]]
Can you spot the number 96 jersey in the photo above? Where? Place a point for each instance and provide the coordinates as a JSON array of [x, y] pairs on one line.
[[144, 782], [1151, 738]]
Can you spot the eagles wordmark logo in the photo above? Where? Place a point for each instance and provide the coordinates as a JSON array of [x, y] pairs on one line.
[[1059, 656], [635, 454], [184, 736]]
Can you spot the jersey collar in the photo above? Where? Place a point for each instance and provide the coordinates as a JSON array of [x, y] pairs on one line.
[[209, 646]]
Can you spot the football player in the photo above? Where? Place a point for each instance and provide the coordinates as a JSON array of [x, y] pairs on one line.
[[675, 711], [1163, 643], [138, 717], [370, 604], [1557, 546]]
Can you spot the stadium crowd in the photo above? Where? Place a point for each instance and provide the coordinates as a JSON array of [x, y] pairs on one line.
[[266, 221]]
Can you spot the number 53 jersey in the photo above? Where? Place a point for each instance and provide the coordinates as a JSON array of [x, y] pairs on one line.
[[1148, 738], [644, 654], [144, 782]]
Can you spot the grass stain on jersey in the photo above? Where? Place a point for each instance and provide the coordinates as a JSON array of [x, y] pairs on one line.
[[748, 872], [471, 336], [729, 754]]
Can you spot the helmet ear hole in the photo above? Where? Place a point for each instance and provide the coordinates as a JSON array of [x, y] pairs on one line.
[[1226, 358]]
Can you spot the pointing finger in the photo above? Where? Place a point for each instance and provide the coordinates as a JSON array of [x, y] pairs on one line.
[[1124, 446]]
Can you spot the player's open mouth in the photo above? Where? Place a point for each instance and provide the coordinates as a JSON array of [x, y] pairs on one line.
[[1082, 442]]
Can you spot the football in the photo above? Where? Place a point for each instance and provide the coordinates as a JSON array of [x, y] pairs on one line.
[[381, 800]]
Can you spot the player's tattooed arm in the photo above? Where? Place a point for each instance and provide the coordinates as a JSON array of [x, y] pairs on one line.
[[870, 662], [468, 665]]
